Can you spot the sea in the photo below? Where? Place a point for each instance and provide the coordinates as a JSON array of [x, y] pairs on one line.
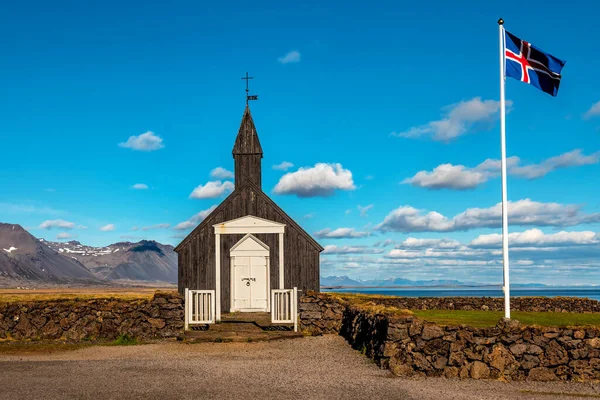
[[584, 292]]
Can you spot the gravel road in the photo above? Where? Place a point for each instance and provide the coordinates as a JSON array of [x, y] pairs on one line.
[[307, 368]]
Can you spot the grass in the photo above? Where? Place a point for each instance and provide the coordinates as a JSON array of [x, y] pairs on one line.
[[483, 319], [125, 340], [14, 296], [475, 318]]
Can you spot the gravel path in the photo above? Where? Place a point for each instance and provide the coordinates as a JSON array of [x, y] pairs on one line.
[[308, 368]]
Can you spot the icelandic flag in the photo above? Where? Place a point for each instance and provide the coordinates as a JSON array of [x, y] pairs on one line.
[[529, 64]]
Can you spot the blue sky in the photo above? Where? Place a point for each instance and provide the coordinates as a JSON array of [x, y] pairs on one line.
[[388, 106]]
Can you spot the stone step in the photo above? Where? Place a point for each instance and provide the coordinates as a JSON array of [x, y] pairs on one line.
[[241, 327]]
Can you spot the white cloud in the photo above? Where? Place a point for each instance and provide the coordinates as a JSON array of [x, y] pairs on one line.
[[291, 57], [195, 220], [332, 249], [284, 166], [572, 158], [310, 215], [448, 176], [414, 243], [157, 226], [594, 111], [321, 180], [211, 190], [184, 226], [458, 119], [364, 210], [521, 212], [340, 233], [459, 177], [556, 258], [535, 237], [57, 223], [108, 228], [140, 186], [383, 243], [148, 141], [221, 173], [63, 235]]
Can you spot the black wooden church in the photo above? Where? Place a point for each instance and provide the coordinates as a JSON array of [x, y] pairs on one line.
[[248, 245]]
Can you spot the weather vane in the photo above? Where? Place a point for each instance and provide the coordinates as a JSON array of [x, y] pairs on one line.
[[249, 97]]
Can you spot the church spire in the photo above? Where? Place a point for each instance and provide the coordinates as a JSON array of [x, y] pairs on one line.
[[247, 152]]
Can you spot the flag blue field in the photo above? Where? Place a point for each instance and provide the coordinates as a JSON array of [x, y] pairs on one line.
[[532, 65]]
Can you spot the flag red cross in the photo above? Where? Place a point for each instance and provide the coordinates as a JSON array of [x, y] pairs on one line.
[[527, 63]]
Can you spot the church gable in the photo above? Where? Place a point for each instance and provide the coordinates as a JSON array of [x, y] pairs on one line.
[[249, 200]]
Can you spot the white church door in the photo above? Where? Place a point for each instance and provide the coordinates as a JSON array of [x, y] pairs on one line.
[[250, 275]]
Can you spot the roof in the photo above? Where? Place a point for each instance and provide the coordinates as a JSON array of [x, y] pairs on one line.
[[259, 192], [247, 141]]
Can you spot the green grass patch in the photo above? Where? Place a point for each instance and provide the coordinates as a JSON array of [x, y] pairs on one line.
[[125, 340], [484, 319]]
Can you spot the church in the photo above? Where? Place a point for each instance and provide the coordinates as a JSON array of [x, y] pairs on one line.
[[248, 248]]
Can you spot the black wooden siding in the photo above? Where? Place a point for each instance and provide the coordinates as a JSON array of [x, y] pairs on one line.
[[197, 251]]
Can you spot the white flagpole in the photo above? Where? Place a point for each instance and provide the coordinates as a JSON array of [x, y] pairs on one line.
[[506, 287]]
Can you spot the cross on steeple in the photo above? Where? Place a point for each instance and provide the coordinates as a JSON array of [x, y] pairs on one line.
[[249, 97]]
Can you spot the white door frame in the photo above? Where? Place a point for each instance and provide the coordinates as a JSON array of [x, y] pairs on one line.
[[244, 225], [248, 253]]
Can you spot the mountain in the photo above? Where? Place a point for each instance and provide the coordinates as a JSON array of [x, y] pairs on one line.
[[142, 261], [24, 257], [339, 281], [346, 281]]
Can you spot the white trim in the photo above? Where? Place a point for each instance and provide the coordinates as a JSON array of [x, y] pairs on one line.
[[249, 224], [218, 276], [249, 253], [242, 240], [199, 307], [186, 314], [281, 271], [246, 225], [231, 283]]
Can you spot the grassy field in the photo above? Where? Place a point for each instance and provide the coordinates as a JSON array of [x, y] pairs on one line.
[[20, 295], [482, 319], [476, 318]]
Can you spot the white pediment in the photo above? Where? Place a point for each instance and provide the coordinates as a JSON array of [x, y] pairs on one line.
[[249, 243], [249, 224]]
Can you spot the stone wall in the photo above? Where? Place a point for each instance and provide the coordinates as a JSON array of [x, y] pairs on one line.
[[536, 304], [410, 347], [98, 319]]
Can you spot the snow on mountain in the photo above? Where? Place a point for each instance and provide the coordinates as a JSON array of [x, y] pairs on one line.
[[141, 261], [26, 258]]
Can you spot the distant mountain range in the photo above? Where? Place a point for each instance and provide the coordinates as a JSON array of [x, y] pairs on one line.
[[338, 281], [27, 259]]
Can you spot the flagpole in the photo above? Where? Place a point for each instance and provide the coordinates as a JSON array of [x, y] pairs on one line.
[[506, 287]]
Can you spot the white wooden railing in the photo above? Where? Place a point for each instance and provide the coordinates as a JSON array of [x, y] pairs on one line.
[[284, 307], [199, 307]]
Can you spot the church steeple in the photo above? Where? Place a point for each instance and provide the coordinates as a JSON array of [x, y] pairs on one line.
[[247, 152]]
